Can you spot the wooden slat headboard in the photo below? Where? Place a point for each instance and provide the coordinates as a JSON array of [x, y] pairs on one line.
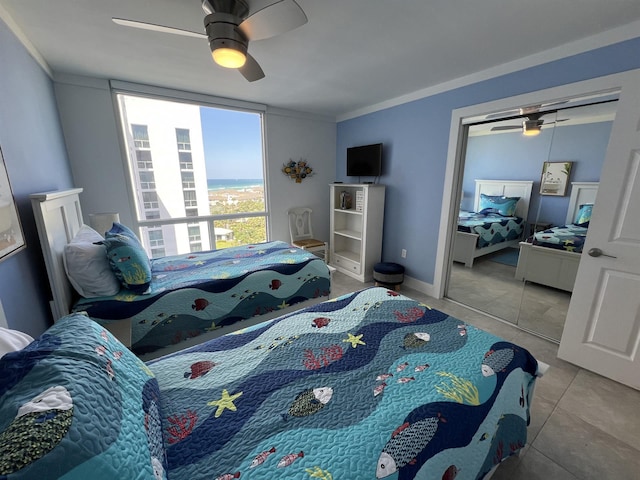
[[581, 193], [506, 188], [58, 218]]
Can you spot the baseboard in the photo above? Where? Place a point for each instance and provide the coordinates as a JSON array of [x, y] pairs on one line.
[[419, 285]]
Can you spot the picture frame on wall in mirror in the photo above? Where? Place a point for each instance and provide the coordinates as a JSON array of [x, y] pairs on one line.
[[11, 235], [555, 178]]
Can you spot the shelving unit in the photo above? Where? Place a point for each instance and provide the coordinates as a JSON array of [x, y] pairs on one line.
[[356, 232]]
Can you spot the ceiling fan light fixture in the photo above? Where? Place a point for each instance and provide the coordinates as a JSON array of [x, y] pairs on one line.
[[531, 128], [229, 57]]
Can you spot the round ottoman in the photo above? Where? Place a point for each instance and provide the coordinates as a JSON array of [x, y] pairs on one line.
[[388, 274]]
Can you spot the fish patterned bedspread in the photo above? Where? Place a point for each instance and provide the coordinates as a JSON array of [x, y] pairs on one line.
[[369, 385], [194, 293], [493, 228], [567, 237]]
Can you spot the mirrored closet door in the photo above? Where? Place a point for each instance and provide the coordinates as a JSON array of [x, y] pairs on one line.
[[528, 183]]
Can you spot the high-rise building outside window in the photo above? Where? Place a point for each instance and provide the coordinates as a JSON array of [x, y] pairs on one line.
[[197, 163]]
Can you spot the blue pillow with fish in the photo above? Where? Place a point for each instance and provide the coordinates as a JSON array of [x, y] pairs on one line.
[[583, 217], [129, 261], [505, 206]]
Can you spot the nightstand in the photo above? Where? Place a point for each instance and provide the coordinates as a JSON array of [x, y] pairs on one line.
[[538, 227]]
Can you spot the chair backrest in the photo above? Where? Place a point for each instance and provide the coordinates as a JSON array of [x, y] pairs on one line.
[[300, 223]]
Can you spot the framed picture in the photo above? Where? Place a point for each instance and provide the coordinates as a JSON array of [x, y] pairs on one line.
[[555, 178], [11, 236]]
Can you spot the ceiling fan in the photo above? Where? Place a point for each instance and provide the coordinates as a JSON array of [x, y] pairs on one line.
[[531, 126], [231, 24]]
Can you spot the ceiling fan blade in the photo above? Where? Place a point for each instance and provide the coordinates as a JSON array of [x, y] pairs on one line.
[[506, 127], [251, 70], [157, 28], [269, 18]]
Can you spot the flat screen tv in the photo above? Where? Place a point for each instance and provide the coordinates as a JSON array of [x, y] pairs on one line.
[[364, 161]]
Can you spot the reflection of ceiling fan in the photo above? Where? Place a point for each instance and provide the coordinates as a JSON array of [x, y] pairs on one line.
[[231, 24], [524, 110], [531, 126]]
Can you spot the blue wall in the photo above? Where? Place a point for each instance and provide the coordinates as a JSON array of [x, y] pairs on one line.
[[512, 156], [36, 160], [416, 135]]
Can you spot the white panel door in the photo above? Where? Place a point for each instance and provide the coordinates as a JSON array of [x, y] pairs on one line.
[[602, 329]]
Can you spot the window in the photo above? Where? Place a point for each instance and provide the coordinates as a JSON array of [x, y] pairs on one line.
[[158, 252], [147, 181], [155, 238], [185, 160], [144, 159], [216, 162], [194, 234], [184, 142], [140, 136], [190, 199], [150, 200], [188, 181]]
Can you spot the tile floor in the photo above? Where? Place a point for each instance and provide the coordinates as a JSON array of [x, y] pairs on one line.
[[491, 287], [583, 426]]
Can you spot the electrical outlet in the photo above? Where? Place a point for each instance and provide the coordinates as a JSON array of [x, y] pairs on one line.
[[403, 254]]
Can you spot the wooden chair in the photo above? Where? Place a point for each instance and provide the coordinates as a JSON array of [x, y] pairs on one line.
[[302, 233]]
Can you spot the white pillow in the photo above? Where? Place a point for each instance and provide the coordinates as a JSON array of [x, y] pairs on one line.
[[12, 341], [87, 265]]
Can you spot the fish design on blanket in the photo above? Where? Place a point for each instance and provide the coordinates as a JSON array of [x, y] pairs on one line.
[[309, 401], [496, 361], [406, 442], [261, 457], [450, 473], [199, 369], [200, 304], [228, 476], [320, 322], [415, 340], [275, 284], [289, 459], [379, 389], [39, 426]]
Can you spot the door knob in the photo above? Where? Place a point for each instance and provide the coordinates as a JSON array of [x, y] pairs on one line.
[[596, 252]]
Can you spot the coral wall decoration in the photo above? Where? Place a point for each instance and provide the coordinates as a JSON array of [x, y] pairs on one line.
[[297, 170]]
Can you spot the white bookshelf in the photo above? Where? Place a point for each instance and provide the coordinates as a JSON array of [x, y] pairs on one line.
[[356, 232]]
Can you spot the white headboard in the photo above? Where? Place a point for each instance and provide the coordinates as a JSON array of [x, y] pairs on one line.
[[581, 193], [506, 188], [58, 218]]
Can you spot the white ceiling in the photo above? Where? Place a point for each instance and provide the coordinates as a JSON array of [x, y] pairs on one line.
[[350, 55]]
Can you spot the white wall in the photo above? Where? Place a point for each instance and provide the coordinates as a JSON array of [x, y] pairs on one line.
[[295, 136], [91, 135]]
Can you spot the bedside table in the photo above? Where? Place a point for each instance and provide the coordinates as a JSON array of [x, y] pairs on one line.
[[538, 227]]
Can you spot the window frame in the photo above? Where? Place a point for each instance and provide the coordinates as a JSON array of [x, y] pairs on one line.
[[160, 93]]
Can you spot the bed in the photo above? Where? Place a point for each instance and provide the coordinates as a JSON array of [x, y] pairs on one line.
[[204, 293], [369, 385], [479, 234], [547, 261]]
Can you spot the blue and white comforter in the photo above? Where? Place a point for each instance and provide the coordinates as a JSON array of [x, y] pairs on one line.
[[194, 293], [371, 385], [567, 237], [492, 228]]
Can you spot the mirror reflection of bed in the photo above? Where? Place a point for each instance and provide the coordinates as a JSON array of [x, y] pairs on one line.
[[538, 299]]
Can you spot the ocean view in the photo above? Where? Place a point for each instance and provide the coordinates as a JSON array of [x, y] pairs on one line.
[[234, 183]]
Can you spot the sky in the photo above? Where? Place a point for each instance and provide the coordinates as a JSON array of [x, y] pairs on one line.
[[232, 143]]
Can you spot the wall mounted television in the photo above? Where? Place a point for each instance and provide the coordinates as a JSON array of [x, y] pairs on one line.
[[364, 161]]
